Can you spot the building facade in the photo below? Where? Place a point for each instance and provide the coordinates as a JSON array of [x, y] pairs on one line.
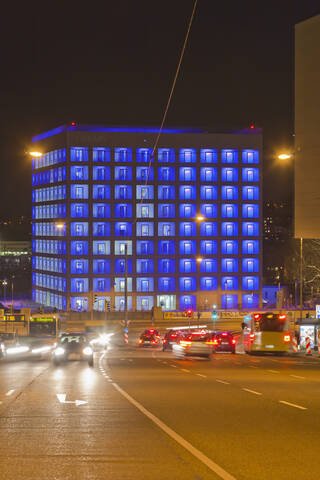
[[184, 225]]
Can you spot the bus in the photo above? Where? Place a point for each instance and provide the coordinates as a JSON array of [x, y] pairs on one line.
[[266, 333], [37, 325]]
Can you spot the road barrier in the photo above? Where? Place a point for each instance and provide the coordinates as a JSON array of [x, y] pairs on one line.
[[318, 343], [294, 345], [308, 346], [126, 338]]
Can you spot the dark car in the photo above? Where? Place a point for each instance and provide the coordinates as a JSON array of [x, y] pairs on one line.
[[222, 341], [171, 337], [149, 339], [73, 346]]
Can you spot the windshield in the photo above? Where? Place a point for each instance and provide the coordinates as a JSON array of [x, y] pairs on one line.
[[269, 323], [73, 339]]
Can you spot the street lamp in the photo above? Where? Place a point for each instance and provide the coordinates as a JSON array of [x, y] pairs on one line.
[[285, 156], [4, 284], [35, 154], [200, 218]]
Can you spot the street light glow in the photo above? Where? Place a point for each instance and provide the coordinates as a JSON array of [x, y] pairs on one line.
[[59, 226], [200, 218], [199, 259], [284, 156], [35, 154]]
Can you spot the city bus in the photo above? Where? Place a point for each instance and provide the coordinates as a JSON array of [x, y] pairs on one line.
[[266, 333]]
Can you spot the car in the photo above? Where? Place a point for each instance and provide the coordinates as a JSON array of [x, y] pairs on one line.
[[152, 331], [149, 339], [171, 337], [192, 345], [223, 341], [73, 346]]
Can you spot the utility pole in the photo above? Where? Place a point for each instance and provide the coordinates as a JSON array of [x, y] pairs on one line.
[[301, 276]]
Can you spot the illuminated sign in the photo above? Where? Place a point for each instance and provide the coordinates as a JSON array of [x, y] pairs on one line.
[[43, 319], [12, 318]]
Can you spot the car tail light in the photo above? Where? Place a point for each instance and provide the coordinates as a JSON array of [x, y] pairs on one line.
[[140, 340], [287, 338], [153, 342], [282, 317], [224, 334], [164, 340], [256, 316], [251, 337], [210, 342], [184, 343], [233, 341]]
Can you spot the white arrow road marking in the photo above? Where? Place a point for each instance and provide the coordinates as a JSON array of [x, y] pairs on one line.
[[62, 399]]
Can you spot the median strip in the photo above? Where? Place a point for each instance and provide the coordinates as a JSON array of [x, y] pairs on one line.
[[292, 405]]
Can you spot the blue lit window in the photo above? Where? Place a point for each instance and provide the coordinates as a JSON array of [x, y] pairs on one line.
[[79, 285], [79, 304], [250, 283], [123, 173], [208, 283], [250, 301], [144, 192], [187, 229], [166, 265], [166, 155], [101, 210], [250, 210], [209, 210], [101, 229], [166, 211], [229, 210], [208, 155], [229, 229], [229, 156], [79, 173], [187, 284], [145, 210], [208, 192], [250, 265], [145, 229], [229, 265], [101, 266], [80, 266], [79, 210], [120, 247], [187, 210], [101, 154], [144, 303], [122, 155], [208, 229], [208, 174], [250, 156], [79, 154], [187, 174], [145, 284], [187, 247], [101, 173], [79, 229], [250, 229], [166, 247], [144, 265], [187, 155], [208, 265], [187, 301], [229, 193], [187, 265], [166, 284], [250, 247], [120, 265], [101, 247], [123, 192], [102, 285], [144, 155], [250, 193], [166, 192], [123, 210], [229, 302], [166, 229], [80, 191], [250, 174], [229, 174], [101, 192], [145, 247], [229, 283], [187, 192], [166, 174], [229, 247], [123, 229], [145, 174]]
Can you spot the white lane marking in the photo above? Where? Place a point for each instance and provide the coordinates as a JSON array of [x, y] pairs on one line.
[[297, 376], [252, 366], [222, 381], [200, 375], [292, 405], [62, 399], [173, 366], [164, 362], [9, 393], [184, 370], [178, 438], [273, 371], [251, 391]]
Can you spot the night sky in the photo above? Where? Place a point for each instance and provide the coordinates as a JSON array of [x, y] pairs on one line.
[[113, 62]]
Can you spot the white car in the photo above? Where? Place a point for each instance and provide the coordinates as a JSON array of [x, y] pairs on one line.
[[192, 346]]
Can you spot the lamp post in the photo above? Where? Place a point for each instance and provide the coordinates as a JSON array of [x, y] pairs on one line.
[[4, 284]]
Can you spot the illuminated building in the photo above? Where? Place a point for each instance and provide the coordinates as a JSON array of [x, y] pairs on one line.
[[95, 197]]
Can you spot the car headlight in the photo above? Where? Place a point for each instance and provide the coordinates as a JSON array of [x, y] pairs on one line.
[[59, 351], [17, 349], [88, 351]]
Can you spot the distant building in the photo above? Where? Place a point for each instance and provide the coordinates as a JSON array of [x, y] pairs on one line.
[[14, 257], [189, 219]]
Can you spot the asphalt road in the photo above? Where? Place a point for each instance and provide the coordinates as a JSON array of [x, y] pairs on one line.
[[149, 416]]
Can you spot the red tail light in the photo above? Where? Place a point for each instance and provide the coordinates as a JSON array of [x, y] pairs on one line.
[[164, 340], [233, 341], [282, 317], [224, 334], [256, 316], [153, 342], [287, 338], [140, 340]]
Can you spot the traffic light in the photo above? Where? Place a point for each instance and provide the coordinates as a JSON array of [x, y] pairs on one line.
[[189, 312], [214, 313]]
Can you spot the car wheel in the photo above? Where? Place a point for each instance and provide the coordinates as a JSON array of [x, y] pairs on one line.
[[90, 362]]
